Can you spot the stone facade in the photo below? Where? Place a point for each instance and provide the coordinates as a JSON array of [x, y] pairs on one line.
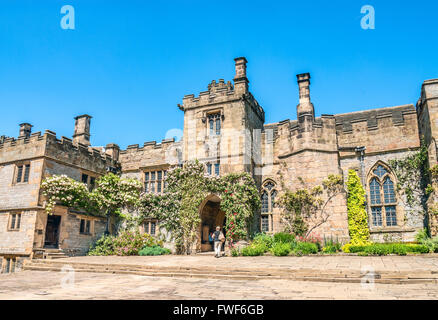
[[224, 128], [24, 163]]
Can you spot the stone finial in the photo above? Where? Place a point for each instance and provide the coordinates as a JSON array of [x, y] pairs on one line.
[[305, 107], [25, 130], [82, 129]]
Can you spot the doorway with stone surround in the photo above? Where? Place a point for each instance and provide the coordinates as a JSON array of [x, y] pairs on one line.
[[211, 217], [52, 232]]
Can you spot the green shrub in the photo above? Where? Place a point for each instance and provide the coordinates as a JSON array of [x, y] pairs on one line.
[[422, 235], [331, 246], [303, 248], [283, 237], [235, 252], [153, 251], [357, 215], [254, 249], [281, 249], [423, 238], [103, 247], [126, 243], [265, 239], [382, 249]]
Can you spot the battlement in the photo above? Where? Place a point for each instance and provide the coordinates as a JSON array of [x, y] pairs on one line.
[[379, 130], [148, 145], [345, 122], [217, 92], [49, 146], [151, 154]]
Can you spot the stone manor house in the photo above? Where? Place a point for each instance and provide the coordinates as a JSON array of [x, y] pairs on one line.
[[224, 128]]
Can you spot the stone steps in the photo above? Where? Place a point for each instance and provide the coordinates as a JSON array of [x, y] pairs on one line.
[[232, 273]]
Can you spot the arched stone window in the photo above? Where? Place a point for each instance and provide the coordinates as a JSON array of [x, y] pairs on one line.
[[382, 197], [268, 202]]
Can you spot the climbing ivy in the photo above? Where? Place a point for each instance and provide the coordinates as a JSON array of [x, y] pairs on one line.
[[305, 208], [412, 176], [178, 208], [111, 194], [357, 215]]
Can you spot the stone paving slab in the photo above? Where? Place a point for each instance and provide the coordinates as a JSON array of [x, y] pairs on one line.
[[409, 263], [90, 286]]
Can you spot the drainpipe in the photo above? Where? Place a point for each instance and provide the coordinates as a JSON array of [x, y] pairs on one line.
[[361, 151]]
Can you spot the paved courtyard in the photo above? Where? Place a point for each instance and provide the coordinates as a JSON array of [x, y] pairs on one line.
[[86, 285], [53, 285]]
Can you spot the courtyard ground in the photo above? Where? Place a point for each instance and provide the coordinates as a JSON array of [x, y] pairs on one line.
[[409, 277]]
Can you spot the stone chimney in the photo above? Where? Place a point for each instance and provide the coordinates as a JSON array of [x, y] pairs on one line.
[[240, 80], [305, 109], [25, 130], [82, 129], [113, 150]]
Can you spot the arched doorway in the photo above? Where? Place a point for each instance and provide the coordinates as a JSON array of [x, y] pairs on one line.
[[211, 216]]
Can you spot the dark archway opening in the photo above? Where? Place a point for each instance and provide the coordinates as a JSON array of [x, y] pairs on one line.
[[211, 216]]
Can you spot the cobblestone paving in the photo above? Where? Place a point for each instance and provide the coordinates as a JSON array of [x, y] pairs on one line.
[[53, 285]]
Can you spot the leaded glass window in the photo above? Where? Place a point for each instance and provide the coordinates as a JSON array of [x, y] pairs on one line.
[[377, 216], [381, 186], [391, 216], [375, 192], [265, 202], [388, 191], [265, 223], [214, 122], [155, 181], [380, 171], [268, 201]]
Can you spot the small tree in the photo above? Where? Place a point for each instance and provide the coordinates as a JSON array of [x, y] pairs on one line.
[[357, 215], [112, 194], [305, 208]]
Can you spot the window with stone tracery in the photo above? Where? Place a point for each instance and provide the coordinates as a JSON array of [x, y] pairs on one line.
[[382, 197], [268, 196]]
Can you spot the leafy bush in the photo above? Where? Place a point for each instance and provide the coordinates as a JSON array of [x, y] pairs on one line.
[[303, 248], [126, 243], [103, 247], [281, 249], [431, 243], [265, 239], [357, 216], [422, 236], [254, 249], [331, 246], [153, 251], [235, 252], [382, 249], [283, 237]]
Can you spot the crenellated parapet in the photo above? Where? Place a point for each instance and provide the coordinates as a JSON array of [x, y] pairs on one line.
[[77, 154], [151, 154], [290, 138], [62, 150], [378, 130]]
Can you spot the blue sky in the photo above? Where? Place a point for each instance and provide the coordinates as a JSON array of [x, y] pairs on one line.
[[129, 63]]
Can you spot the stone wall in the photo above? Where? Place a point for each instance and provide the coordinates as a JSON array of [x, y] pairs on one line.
[[17, 242]]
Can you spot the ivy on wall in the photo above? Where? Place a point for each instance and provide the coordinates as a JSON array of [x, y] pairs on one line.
[[305, 208], [357, 215], [111, 194], [178, 208]]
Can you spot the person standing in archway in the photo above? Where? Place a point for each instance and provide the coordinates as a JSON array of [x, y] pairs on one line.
[[218, 238]]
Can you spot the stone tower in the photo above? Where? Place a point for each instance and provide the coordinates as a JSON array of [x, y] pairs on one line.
[[220, 124]]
